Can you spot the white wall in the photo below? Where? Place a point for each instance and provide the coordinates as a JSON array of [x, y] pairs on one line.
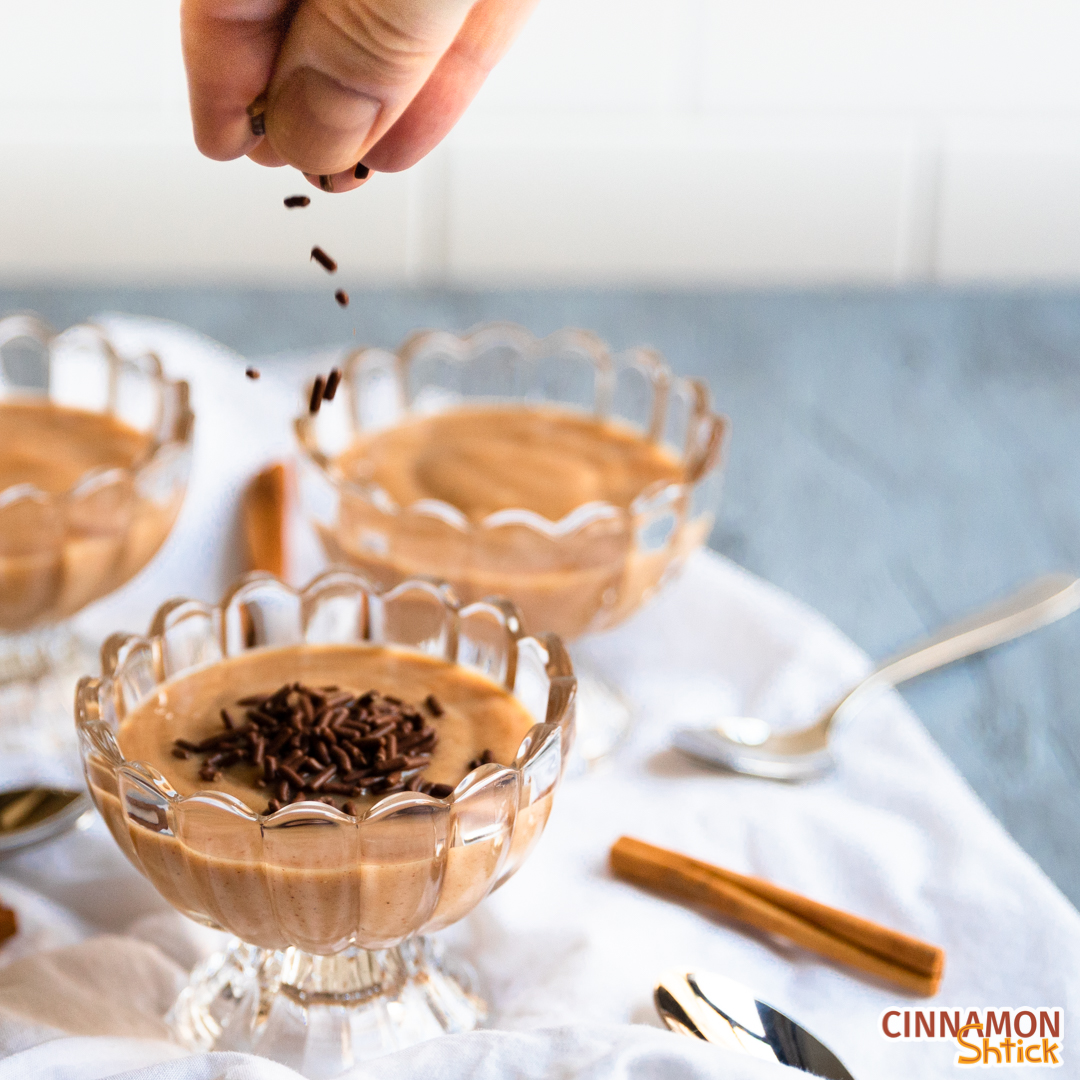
[[674, 142]]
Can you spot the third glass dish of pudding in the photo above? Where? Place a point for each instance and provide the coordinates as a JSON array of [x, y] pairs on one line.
[[81, 529], [575, 496], [94, 456]]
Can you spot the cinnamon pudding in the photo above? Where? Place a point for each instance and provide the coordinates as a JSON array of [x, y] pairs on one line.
[[469, 717], [86, 529], [314, 881], [561, 569], [485, 459]]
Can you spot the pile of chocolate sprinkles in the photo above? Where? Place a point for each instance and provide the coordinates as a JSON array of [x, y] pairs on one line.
[[314, 744]]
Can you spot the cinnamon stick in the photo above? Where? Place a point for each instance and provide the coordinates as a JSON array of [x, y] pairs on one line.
[[837, 935], [264, 517]]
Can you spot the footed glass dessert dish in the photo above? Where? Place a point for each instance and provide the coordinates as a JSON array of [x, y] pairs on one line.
[[95, 450], [569, 478], [392, 824]]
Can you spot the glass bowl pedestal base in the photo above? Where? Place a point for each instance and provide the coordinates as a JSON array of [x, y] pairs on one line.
[[320, 1015]]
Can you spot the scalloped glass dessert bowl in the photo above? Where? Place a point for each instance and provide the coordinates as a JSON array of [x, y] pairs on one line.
[[586, 544], [331, 963], [95, 451]]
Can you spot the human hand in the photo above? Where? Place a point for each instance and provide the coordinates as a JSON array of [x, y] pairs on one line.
[[345, 81]]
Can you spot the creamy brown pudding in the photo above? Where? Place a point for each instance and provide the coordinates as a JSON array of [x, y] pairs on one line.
[[468, 714], [314, 882], [482, 460], [90, 530]]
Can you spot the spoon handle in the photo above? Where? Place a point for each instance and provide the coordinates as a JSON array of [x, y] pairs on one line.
[[1039, 603]]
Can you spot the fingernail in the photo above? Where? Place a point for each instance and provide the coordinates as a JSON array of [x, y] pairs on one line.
[[361, 172], [257, 116], [318, 123]]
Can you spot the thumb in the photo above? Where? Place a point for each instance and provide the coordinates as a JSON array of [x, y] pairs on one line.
[[347, 70]]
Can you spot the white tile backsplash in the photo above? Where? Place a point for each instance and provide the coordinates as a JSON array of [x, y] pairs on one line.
[[164, 213], [697, 142], [915, 55], [745, 202], [113, 54], [617, 55], [1010, 203]]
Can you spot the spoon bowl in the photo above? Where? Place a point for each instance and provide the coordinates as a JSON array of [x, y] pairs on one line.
[[721, 1011], [33, 816], [745, 744]]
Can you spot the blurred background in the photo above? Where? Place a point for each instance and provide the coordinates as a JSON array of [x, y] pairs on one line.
[[697, 142]]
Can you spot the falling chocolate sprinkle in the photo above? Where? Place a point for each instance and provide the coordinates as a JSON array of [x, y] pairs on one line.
[[433, 706], [332, 381], [342, 297], [324, 260], [294, 201], [317, 744], [316, 395], [252, 373]]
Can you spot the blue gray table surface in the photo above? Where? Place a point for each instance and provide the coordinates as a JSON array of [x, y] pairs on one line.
[[898, 458]]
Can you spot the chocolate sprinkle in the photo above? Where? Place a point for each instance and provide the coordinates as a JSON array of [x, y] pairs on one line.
[[486, 758], [317, 391], [294, 201], [324, 260], [313, 744], [332, 381], [252, 373], [432, 704], [342, 297]]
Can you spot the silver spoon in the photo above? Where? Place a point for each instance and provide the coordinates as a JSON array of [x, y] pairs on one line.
[[747, 745], [724, 1012], [31, 816]]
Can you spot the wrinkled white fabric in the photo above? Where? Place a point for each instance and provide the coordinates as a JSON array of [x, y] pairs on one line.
[[567, 955], [578, 1052]]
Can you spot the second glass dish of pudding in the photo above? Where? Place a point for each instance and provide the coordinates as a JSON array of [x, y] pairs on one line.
[[548, 471]]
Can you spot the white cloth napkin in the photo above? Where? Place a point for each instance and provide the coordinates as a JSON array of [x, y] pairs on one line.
[[567, 955]]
